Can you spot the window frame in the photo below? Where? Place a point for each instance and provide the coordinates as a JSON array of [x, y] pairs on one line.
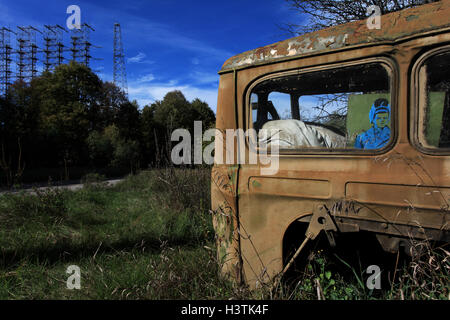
[[392, 70], [415, 103]]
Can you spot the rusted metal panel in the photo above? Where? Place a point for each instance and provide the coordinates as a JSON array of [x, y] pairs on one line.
[[402, 192], [306, 188], [226, 117], [395, 26], [416, 196], [225, 219]]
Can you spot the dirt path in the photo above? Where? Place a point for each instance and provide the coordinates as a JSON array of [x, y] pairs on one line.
[[71, 187]]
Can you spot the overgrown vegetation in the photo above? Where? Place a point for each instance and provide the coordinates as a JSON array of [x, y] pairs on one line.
[[69, 119], [142, 238], [151, 237]]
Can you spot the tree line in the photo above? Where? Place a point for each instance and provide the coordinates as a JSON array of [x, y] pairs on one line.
[[70, 118]]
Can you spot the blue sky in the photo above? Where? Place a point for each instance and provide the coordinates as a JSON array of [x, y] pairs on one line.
[[168, 44]]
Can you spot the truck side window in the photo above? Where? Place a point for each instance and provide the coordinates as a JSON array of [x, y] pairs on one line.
[[434, 101], [341, 108]]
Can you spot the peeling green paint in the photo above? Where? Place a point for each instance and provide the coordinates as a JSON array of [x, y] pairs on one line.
[[256, 184], [412, 17], [224, 218]]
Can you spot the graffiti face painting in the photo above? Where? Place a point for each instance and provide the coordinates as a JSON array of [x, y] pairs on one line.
[[379, 134], [382, 119]]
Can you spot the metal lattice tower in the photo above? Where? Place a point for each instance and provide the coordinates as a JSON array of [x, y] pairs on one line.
[[53, 46], [19, 59], [120, 76], [5, 60], [33, 51], [23, 54], [81, 45], [27, 53], [86, 44], [76, 37]]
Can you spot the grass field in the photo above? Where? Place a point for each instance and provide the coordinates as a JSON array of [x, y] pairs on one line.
[[151, 237]]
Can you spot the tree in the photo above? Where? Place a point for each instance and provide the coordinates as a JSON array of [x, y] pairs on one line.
[[326, 13], [69, 110], [18, 130], [149, 129], [101, 146], [128, 120], [112, 97], [173, 112], [127, 153], [205, 114], [11, 127], [109, 149]]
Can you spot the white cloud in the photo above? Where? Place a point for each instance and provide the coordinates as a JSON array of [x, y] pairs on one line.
[[138, 58], [147, 78], [146, 32], [165, 34]]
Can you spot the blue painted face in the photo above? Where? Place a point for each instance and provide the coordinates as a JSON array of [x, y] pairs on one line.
[[381, 120], [375, 111], [379, 134]]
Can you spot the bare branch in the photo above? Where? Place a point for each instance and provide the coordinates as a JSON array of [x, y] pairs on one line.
[[326, 13]]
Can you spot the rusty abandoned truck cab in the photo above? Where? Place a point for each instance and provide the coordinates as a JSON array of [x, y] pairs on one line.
[[363, 122]]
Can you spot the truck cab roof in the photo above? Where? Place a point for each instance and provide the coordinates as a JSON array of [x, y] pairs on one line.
[[396, 27]]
